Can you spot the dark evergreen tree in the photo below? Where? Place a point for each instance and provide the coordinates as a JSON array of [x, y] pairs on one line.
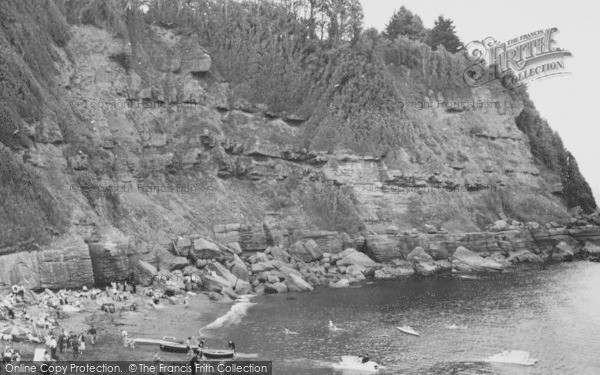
[[576, 190], [443, 34], [404, 22]]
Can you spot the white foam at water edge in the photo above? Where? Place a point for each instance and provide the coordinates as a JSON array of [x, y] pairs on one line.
[[234, 315]]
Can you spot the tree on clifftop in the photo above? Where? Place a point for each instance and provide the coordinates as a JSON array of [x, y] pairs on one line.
[[443, 33], [404, 22]]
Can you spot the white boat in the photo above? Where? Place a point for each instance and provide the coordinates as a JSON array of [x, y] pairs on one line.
[[350, 362], [408, 330], [516, 357]]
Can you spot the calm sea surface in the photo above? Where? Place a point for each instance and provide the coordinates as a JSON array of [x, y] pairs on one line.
[[554, 314]]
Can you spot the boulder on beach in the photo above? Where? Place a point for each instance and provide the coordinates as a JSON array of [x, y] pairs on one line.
[[183, 246], [299, 283], [278, 254], [425, 268], [351, 257], [592, 251], [393, 273], [239, 269], [342, 283], [305, 251], [419, 254], [261, 267], [214, 283], [523, 256], [464, 260], [172, 263], [146, 268], [278, 287], [563, 252], [204, 249], [259, 258]]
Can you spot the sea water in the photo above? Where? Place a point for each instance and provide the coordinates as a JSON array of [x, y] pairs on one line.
[[554, 314]]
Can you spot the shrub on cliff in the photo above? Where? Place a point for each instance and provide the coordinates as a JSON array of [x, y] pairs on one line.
[[333, 206], [28, 212], [548, 149]]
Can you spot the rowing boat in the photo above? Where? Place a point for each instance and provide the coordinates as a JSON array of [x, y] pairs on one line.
[[408, 330]]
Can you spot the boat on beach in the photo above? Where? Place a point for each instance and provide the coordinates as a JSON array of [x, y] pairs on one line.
[[165, 340], [208, 353], [408, 330]]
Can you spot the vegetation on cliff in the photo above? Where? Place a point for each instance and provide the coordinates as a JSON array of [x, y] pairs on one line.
[[308, 58]]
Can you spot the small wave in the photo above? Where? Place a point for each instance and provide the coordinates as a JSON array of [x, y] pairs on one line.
[[234, 315]]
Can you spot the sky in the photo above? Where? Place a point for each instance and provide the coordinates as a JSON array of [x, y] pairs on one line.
[[569, 102]]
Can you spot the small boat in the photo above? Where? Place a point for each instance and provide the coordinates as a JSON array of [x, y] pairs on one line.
[[350, 362], [515, 357], [208, 353], [408, 330], [174, 347], [217, 353], [165, 340]]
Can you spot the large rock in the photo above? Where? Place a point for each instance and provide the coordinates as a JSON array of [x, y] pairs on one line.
[[305, 251], [218, 269], [563, 252], [299, 282], [261, 267], [204, 249], [393, 273], [239, 269], [65, 263], [183, 246], [289, 271], [591, 249], [327, 242], [351, 257], [275, 288], [342, 283], [382, 248], [438, 251], [259, 258], [110, 257], [425, 268], [172, 263], [464, 260], [419, 254], [278, 254], [524, 256], [214, 283]]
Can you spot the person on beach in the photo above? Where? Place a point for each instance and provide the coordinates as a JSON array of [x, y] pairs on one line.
[[52, 344], [188, 343], [125, 337], [186, 302], [81, 340], [201, 343], [93, 334], [231, 345], [75, 346], [61, 342], [156, 357]]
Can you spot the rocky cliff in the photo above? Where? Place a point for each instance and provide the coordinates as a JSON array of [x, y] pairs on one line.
[[136, 143]]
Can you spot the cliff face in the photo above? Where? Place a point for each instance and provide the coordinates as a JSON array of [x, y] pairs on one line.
[[139, 144]]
